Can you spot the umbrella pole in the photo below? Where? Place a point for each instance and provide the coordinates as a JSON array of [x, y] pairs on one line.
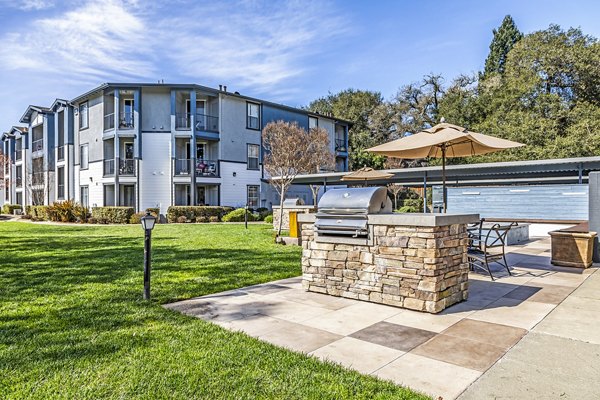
[[444, 177]]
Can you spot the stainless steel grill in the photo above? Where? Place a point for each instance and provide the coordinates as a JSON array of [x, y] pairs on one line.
[[345, 211]]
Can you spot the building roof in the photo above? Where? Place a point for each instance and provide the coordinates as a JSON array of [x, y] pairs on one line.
[[214, 91], [563, 170], [26, 118]]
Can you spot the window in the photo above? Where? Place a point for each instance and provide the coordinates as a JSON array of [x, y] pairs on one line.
[[313, 122], [83, 156], [252, 200], [6, 189], [253, 156], [83, 115], [61, 182], [85, 196], [253, 119]]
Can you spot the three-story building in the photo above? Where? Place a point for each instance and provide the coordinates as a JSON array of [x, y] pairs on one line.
[[156, 145]]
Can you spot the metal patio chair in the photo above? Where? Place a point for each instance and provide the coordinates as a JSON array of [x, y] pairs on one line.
[[488, 248]]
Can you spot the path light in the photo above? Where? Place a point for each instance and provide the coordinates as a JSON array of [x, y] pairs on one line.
[[148, 222]]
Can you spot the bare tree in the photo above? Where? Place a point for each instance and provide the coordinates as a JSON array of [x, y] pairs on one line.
[[395, 189], [322, 159], [38, 183], [290, 151], [4, 165]]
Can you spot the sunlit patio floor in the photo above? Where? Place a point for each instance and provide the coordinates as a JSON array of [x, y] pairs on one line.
[[440, 355]]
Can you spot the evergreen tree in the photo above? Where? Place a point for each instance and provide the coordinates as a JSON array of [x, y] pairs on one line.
[[504, 39]]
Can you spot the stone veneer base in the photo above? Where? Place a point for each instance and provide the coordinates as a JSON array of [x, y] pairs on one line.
[[421, 268]]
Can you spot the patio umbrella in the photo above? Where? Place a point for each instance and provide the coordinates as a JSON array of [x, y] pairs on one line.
[[366, 174], [441, 141]]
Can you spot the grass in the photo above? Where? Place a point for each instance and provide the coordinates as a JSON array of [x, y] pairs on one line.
[[73, 324]]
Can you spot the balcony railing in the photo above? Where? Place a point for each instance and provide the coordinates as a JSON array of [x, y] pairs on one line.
[[127, 167], [37, 145], [109, 167], [37, 178], [183, 121], [109, 121], [207, 123], [126, 120], [340, 145], [207, 168], [61, 153], [183, 166]]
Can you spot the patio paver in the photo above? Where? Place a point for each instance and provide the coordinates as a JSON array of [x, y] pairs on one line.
[[439, 354]]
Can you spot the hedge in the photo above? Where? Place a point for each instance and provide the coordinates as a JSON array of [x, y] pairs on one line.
[[9, 208], [37, 213], [192, 213], [112, 215], [238, 216]]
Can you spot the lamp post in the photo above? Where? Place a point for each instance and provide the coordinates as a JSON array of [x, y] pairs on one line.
[[148, 222]]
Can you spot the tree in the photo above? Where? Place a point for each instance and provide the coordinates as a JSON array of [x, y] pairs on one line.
[[504, 39], [322, 159], [395, 189], [4, 165], [290, 151], [356, 106]]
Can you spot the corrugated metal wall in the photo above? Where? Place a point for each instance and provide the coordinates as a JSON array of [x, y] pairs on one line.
[[552, 202]]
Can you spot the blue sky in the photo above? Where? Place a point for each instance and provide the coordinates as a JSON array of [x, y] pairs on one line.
[[285, 51]]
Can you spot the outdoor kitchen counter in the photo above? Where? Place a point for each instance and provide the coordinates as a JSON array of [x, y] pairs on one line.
[[414, 261]]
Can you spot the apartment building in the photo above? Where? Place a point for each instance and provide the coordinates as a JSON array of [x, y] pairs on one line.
[[153, 145]]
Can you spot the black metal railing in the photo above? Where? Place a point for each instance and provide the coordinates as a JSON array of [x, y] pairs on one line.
[[109, 121], [340, 145], [207, 123], [183, 166], [127, 167], [183, 121], [37, 145], [126, 120], [207, 168], [109, 167], [61, 153]]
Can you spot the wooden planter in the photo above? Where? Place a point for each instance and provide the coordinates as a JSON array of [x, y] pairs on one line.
[[572, 249]]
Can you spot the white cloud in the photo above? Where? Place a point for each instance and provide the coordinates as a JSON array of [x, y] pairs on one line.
[[29, 5], [95, 41], [255, 44]]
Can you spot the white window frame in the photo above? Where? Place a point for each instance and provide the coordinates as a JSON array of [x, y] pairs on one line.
[[249, 157], [248, 187], [84, 109], [250, 114], [316, 125], [87, 156]]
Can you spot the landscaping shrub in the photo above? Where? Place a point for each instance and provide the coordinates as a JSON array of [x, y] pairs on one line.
[[154, 211], [262, 213], [269, 219], [81, 213], [213, 218], [9, 208], [112, 215], [411, 206], [182, 219], [37, 213], [25, 216], [237, 215], [92, 220], [192, 212], [136, 218], [202, 219]]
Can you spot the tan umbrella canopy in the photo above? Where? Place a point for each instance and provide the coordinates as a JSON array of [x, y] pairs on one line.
[[441, 141], [366, 174]]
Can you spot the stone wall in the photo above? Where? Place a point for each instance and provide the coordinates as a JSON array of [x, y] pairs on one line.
[[286, 215], [419, 268]]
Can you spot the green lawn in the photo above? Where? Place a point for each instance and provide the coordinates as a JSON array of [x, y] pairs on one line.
[[73, 324]]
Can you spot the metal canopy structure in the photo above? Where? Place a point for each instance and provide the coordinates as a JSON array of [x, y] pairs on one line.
[[563, 170]]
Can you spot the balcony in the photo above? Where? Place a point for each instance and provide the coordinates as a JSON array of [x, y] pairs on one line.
[[126, 120], [109, 167], [183, 121], [61, 153], [207, 168], [207, 123], [37, 145], [340, 145], [183, 166], [37, 178], [109, 121], [127, 167]]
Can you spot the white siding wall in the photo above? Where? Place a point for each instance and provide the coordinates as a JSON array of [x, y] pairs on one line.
[[233, 188], [155, 171], [96, 191]]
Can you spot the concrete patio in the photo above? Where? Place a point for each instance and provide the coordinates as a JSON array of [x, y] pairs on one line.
[[441, 354]]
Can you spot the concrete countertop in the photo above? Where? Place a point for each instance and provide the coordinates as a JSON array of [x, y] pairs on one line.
[[409, 219]]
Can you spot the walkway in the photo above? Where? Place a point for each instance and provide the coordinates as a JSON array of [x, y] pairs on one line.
[[442, 354]]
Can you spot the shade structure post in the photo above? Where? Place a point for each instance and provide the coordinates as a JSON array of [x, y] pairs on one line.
[[425, 192], [444, 199]]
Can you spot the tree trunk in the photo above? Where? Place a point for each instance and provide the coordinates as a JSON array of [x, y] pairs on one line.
[[281, 212]]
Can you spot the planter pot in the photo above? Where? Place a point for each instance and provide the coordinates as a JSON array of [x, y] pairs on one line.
[[572, 249]]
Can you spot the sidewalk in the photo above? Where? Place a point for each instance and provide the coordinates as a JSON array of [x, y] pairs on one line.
[[558, 359]]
